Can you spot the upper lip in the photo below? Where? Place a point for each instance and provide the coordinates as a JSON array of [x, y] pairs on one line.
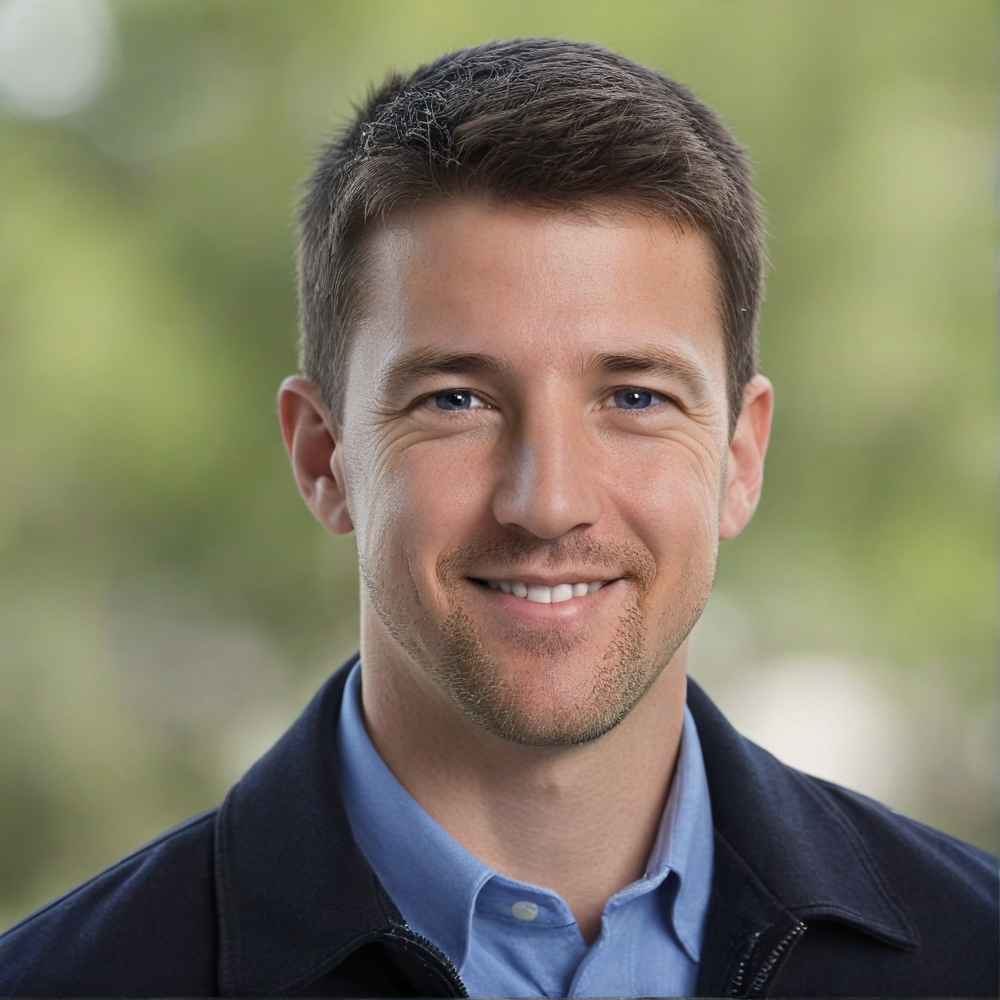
[[546, 579]]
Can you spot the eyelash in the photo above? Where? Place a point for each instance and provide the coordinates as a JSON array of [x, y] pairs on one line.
[[429, 399], [658, 398]]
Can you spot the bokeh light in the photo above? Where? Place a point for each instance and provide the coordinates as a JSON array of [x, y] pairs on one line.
[[167, 605], [55, 55]]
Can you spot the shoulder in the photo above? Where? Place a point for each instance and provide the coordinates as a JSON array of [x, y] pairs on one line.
[[145, 925], [947, 893], [777, 815], [927, 867], [879, 904]]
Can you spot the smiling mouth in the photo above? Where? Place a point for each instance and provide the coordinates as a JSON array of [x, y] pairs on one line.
[[541, 594]]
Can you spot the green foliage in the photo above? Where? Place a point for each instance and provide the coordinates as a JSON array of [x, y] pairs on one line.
[[166, 602]]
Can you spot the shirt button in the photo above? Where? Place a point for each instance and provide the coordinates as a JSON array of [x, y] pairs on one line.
[[524, 910]]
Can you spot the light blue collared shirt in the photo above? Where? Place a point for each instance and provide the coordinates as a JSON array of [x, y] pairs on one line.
[[509, 938]]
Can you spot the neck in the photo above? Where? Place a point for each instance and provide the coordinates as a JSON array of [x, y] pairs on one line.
[[580, 820]]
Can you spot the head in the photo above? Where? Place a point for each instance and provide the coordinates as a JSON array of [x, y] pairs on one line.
[[529, 280]]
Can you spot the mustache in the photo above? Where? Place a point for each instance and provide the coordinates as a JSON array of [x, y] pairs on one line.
[[513, 552]]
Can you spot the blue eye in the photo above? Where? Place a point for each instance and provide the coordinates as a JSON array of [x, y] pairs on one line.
[[453, 399], [634, 399]]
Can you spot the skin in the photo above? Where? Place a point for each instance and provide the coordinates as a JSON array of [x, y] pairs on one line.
[[539, 396]]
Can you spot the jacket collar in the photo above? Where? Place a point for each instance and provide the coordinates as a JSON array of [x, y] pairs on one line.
[[296, 895], [784, 853]]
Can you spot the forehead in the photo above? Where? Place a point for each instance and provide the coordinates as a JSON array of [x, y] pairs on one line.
[[539, 288]]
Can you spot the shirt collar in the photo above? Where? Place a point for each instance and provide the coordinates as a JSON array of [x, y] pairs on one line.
[[684, 842], [430, 876], [435, 881]]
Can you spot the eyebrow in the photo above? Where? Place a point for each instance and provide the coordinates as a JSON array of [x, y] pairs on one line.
[[427, 362], [655, 361]]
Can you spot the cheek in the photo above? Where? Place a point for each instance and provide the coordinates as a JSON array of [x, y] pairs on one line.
[[672, 499], [448, 479], [415, 502]]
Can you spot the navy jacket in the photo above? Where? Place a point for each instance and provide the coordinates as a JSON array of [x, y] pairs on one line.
[[817, 891]]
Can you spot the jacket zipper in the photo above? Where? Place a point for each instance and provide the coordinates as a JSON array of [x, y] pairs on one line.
[[447, 966], [736, 983], [756, 986], [771, 962]]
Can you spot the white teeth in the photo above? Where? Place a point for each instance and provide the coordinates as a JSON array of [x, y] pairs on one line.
[[541, 594]]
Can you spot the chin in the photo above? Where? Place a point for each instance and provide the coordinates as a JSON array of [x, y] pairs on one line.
[[545, 694]]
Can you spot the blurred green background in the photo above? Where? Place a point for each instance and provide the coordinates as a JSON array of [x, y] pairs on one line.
[[167, 605]]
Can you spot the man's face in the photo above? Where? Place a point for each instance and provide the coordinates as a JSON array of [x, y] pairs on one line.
[[533, 454]]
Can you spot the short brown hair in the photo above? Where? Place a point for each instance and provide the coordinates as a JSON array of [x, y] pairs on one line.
[[535, 121]]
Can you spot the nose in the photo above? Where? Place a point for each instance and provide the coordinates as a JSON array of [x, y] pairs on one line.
[[550, 483]]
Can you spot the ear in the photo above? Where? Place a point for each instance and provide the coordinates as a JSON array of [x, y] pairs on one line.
[[745, 469], [310, 437]]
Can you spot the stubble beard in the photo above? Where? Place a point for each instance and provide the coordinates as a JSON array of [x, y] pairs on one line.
[[476, 681], [473, 678]]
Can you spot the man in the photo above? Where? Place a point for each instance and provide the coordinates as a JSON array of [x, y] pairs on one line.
[[530, 275]]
